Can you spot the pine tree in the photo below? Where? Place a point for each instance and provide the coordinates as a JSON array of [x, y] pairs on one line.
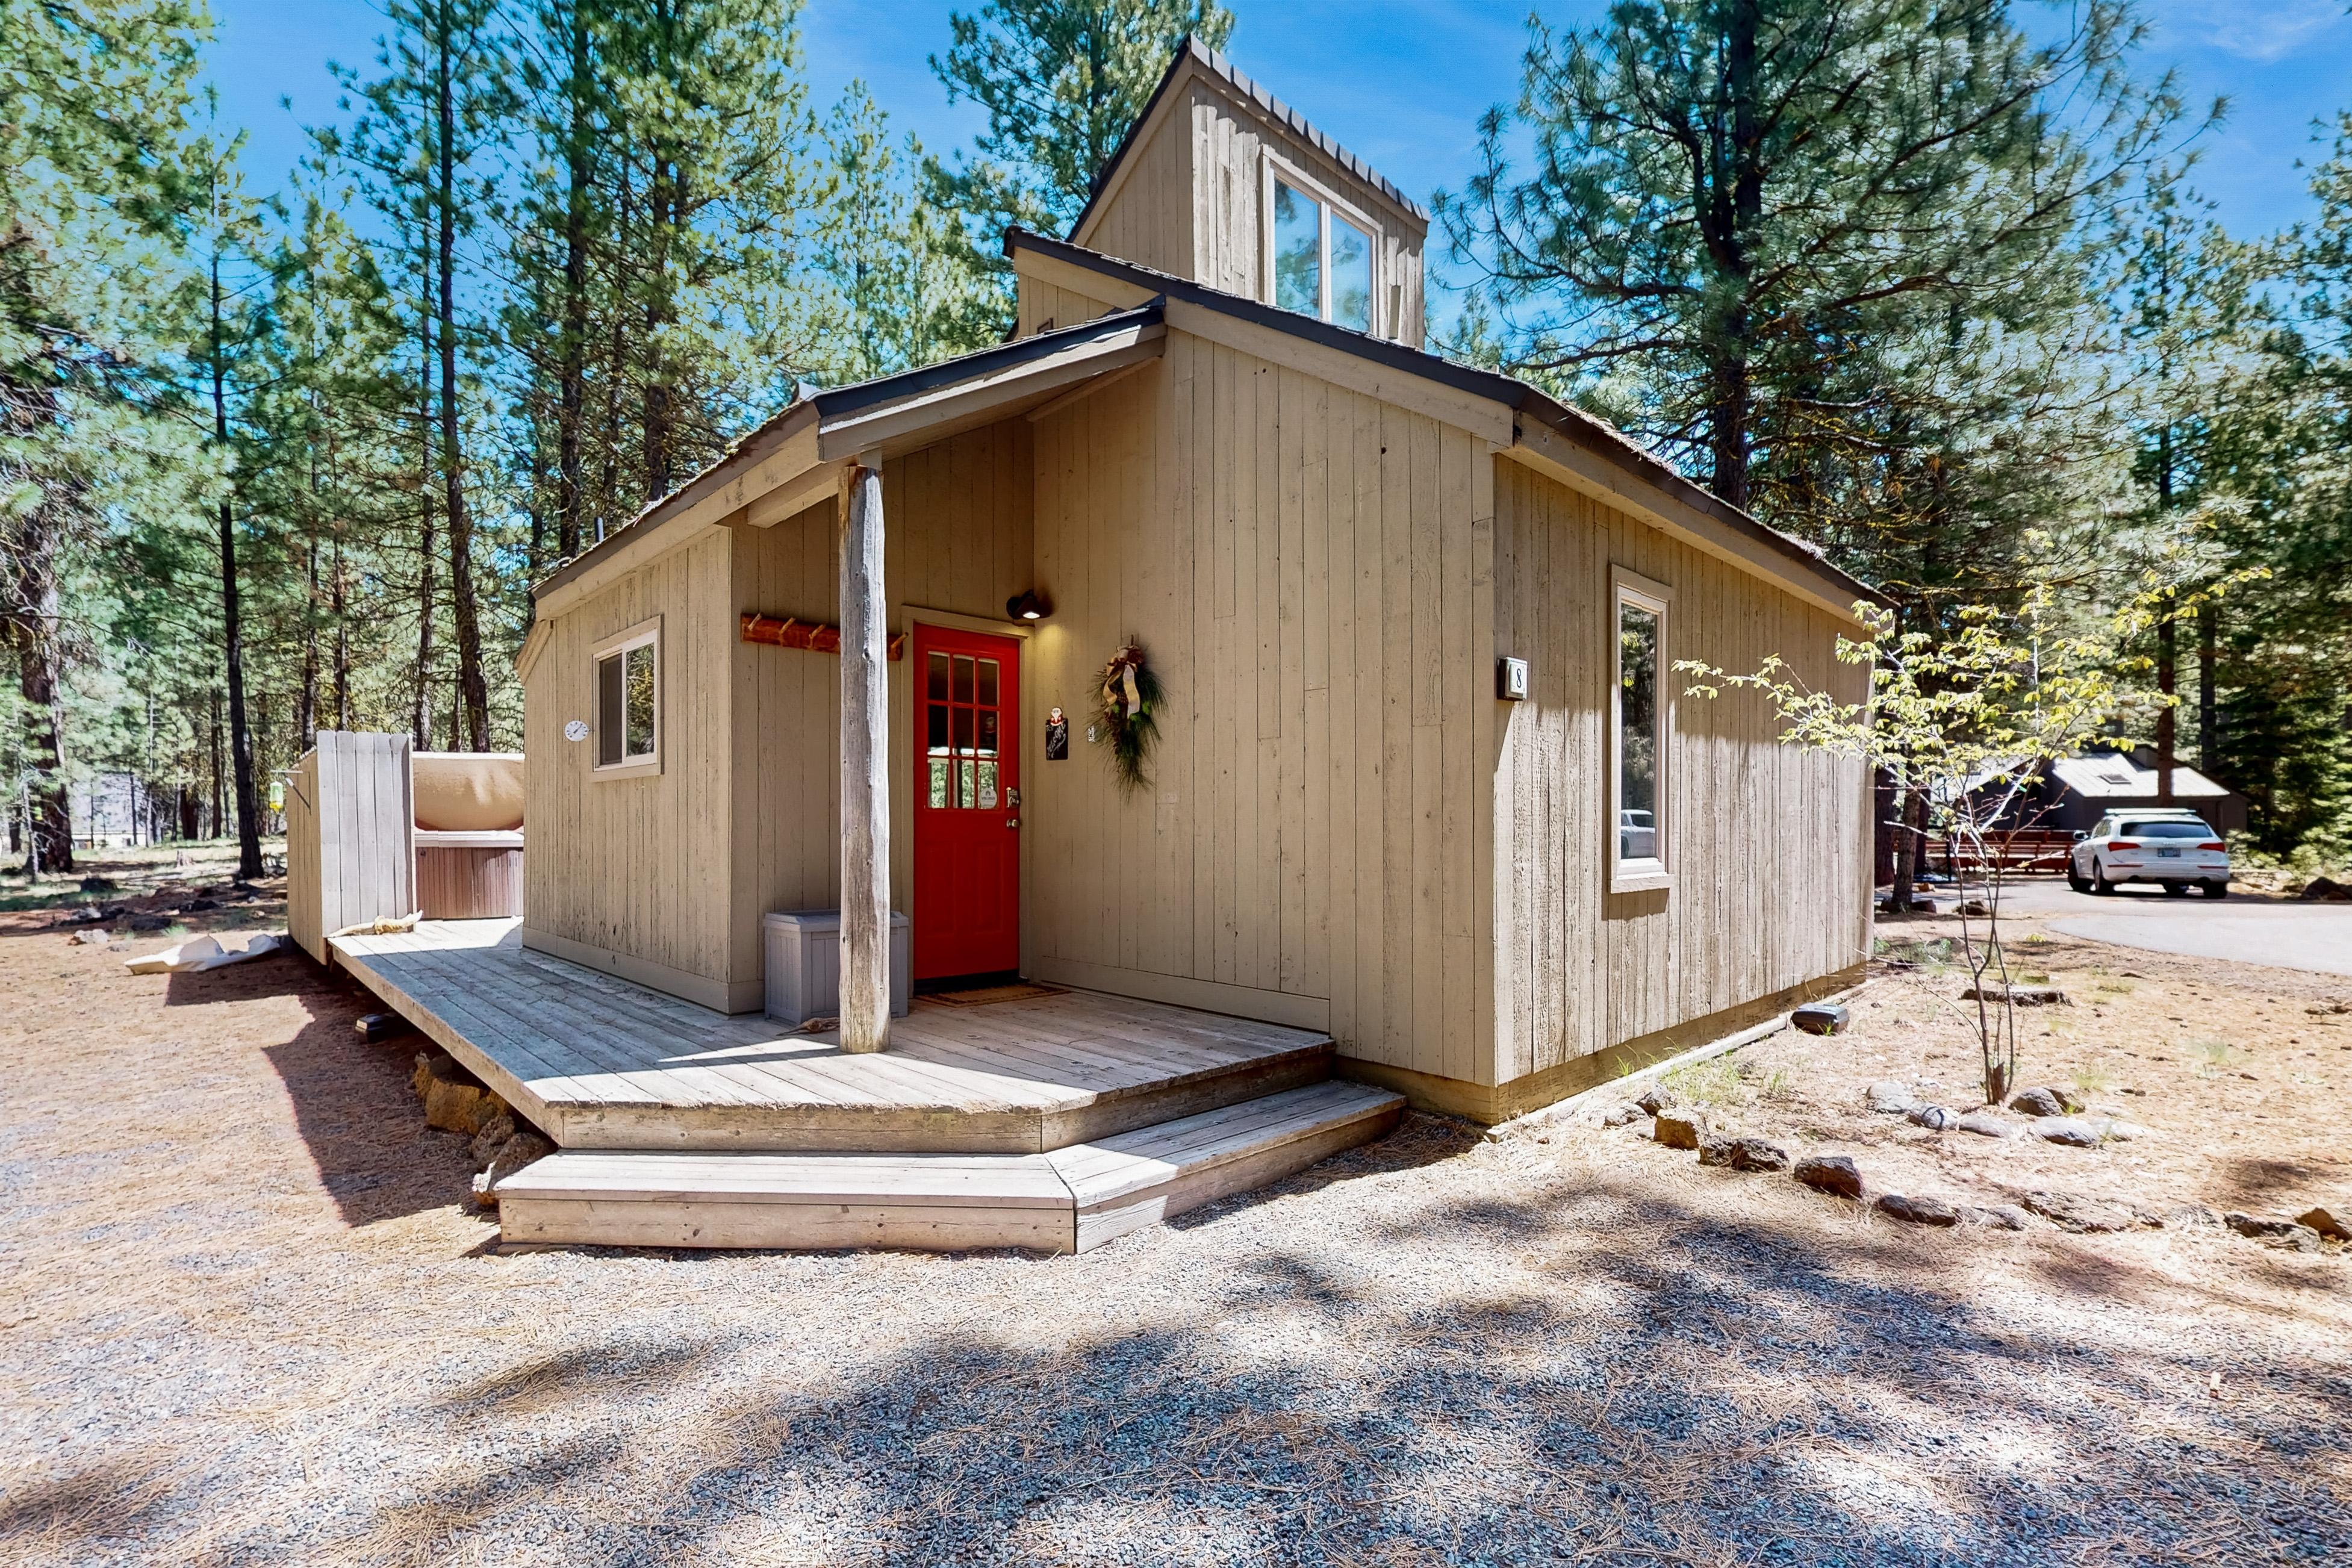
[[1734, 205], [1062, 81], [94, 97]]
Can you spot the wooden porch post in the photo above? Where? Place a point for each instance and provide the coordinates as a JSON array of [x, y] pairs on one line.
[[864, 768]]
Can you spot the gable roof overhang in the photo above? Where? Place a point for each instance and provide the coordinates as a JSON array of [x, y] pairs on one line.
[[1566, 443], [796, 459], [1196, 60]]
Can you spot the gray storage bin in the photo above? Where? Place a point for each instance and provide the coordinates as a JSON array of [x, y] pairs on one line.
[[803, 952]]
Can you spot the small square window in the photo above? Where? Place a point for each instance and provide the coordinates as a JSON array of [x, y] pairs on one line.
[[628, 701]]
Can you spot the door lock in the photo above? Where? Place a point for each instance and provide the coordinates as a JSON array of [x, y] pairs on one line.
[[1012, 822]]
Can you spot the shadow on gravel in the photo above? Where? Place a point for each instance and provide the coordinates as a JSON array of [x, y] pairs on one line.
[[1648, 1383], [353, 1101]]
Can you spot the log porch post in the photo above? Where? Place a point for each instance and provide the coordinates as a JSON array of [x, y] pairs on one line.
[[864, 767]]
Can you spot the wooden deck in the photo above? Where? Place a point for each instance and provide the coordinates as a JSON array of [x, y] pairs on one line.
[[600, 1063]]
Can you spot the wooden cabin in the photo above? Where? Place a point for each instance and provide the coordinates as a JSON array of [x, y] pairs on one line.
[[1423, 781]]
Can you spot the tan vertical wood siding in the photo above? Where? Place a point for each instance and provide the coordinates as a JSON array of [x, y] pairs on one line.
[[638, 866], [1191, 204], [1229, 144], [1149, 219], [1302, 566], [955, 538], [1769, 843]]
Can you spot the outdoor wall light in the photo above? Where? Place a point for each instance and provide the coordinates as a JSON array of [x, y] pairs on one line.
[[1028, 606]]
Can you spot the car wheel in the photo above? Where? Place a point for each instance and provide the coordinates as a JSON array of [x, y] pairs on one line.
[[2175, 889], [2099, 883], [2075, 877], [2217, 889]]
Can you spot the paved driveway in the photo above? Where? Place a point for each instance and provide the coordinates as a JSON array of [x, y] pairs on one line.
[[2246, 927]]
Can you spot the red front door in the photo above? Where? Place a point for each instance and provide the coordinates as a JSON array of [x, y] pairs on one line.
[[967, 802]]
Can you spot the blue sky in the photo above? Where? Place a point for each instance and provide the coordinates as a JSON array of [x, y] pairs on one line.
[[1401, 83]]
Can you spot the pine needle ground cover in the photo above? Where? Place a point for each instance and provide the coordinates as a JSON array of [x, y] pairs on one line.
[[248, 1314]]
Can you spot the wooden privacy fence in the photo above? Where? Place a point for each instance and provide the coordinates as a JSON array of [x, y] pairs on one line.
[[2016, 849], [375, 831], [350, 851]]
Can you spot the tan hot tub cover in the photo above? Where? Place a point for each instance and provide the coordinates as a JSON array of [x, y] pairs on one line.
[[468, 792]]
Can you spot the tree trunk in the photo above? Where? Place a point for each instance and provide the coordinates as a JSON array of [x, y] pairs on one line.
[[1910, 841], [1732, 208], [420, 717], [2208, 711], [573, 352], [2168, 717], [306, 711], [220, 792], [473, 691], [342, 646], [32, 626], [240, 733]]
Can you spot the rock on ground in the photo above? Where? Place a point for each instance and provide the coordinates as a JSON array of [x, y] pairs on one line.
[[1890, 1099], [1934, 1118], [1995, 1216], [2324, 1222], [518, 1152], [2273, 1232], [2018, 995], [1625, 1115], [1835, 1173], [1984, 1124], [1680, 1129], [2072, 1212], [2041, 1101], [492, 1138], [2066, 1129], [1742, 1153], [454, 1101], [1657, 1097], [1918, 1211]]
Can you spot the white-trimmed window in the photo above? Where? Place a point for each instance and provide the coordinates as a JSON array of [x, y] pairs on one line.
[[1321, 259], [1640, 723], [628, 668]]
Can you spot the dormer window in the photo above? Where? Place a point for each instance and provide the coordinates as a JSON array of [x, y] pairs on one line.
[[1321, 257]]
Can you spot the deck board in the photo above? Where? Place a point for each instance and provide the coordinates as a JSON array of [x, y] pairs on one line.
[[602, 1063]]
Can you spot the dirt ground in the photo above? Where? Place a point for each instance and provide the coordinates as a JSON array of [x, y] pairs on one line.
[[247, 1315]]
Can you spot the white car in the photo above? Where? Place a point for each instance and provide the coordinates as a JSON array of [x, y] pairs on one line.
[[2174, 849], [1637, 835]]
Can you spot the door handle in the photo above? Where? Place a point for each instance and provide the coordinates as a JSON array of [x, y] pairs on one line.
[[1012, 822]]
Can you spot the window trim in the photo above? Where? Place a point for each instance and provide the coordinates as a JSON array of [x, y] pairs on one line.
[[645, 633], [1653, 873], [1275, 167]]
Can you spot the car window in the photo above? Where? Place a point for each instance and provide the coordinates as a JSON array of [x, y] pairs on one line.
[[2175, 830]]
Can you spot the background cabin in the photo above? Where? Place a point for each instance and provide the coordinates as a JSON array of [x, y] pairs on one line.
[[1424, 780]]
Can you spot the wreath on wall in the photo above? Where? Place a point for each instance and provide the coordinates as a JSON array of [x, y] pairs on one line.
[[1124, 721]]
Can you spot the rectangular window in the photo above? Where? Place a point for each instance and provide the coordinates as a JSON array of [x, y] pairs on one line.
[[1297, 251], [961, 718], [628, 700], [1639, 730], [1318, 261], [1351, 276]]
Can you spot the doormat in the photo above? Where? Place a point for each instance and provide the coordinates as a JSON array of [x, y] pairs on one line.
[[982, 995]]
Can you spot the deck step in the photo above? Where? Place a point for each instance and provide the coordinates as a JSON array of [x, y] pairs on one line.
[[1069, 1200]]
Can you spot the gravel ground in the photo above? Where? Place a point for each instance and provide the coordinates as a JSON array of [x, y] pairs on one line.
[[246, 1317]]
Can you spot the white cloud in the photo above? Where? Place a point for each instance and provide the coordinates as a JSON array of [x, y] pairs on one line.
[[2261, 30]]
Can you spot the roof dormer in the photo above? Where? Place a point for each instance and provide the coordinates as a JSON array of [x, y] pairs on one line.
[[1222, 184]]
